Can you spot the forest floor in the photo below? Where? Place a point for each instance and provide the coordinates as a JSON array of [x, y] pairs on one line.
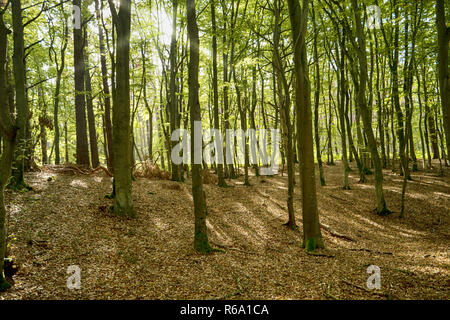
[[65, 221]]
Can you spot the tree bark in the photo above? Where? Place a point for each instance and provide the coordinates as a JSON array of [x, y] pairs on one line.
[[365, 112], [82, 150], [90, 111], [106, 90], [284, 105], [312, 236], [172, 98], [17, 181], [123, 201], [443, 56], [201, 243], [219, 145], [316, 101], [8, 134]]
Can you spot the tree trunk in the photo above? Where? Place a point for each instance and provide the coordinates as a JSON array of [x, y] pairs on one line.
[[219, 145], [444, 79], [226, 80], [365, 112], [172, 98], [123, 201], [284, 105], [17, 181], [201, 243], [90, 111], [8, 133], [242, 104], [66, 143], [380, 103], [316, 101], [106, 91], [82, 150], [341, 107], [312, 236], [59, 71]]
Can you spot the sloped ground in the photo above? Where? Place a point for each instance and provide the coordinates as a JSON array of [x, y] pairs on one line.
[[66, 222]]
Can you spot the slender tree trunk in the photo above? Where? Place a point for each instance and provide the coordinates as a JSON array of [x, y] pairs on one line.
[[66, 143], [201, 243], [316, 100], [254, 102], [341, 107], [60, 69], [17, 181], [80, 103], [380, 103], [106, 90], [90, 111], [362, 173], [330, 121], [173, 100], [428, 121], [147, 106], [284, 105], [42, 124], [312, 237], [226, 81], [242, 104], [422, 140], [218, 140], [365, 112]]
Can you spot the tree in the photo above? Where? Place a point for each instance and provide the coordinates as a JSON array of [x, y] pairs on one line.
[[106, 90], [80, 103], [444, 75], [312, 236], [316, 100], [123, 201], [360, 47], [219, 146], [90, 109], [201, 243], [60, 65], [17, 181], [8, 133], [340, 61], [173, 101], [284, 105]]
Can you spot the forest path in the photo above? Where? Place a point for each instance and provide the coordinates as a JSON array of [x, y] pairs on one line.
[[65, 221]]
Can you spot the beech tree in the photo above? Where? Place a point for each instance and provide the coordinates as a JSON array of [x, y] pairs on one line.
[[312, 236], [201, 243], [80, 102], [8, 133], [21, 103], [123, 201], [444, 78]]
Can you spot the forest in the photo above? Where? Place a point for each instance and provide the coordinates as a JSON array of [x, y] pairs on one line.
[[224, 149]]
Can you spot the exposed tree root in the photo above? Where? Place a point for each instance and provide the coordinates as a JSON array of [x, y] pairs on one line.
[[336, 234], [109, 174], [386, 295], [370, 251], [317, 254]]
